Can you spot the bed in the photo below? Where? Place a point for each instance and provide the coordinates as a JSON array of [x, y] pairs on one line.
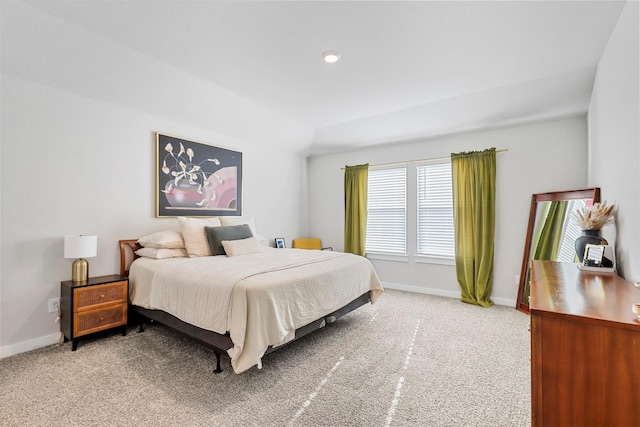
[[247, 306]]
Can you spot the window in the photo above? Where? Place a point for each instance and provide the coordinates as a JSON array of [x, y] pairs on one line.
[[567, 251], [414, 217], [435, 210], [387, 206]]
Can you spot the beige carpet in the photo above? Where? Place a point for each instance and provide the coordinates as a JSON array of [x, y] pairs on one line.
[[410, 359]]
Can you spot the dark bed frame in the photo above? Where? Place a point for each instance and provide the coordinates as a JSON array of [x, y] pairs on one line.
[[217, 342]]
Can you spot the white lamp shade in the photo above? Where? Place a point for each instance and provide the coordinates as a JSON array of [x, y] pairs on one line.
[[80, 246]]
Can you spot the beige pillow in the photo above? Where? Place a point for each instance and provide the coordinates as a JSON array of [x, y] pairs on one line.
[[242, 246], [162, 240], [195, 238], [156, 253]]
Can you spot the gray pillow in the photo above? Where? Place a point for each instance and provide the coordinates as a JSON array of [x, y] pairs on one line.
[[216, 235]]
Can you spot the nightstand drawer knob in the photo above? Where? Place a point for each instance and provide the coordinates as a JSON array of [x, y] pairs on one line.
[[102, 296], [102, 319]]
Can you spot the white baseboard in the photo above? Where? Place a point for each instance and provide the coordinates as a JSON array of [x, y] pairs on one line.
[[22, 347], [33, 344], [504, 301], [441, 293]]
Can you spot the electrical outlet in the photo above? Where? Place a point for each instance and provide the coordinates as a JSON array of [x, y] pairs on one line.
[[54, 305], [517, 279]]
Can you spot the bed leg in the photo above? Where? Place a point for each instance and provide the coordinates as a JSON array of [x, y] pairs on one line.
[[218, 367], [141, 326]]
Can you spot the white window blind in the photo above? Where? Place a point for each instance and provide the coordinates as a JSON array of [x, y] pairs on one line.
[[435, 210], [567, 251], [386, 216]]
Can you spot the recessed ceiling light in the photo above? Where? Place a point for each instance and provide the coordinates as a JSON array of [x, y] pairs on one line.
[[331, 56]]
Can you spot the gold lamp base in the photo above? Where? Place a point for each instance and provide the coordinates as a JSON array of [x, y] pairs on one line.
[[80, 270]]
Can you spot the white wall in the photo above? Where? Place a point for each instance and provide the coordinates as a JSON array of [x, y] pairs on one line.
[[40, 48], [614, 136], [73, 165], [79, 116], [547, 156]]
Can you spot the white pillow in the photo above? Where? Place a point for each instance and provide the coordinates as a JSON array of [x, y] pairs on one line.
[[163, 240], [242, 246], [239, 220], [156, 253], [195, 238]]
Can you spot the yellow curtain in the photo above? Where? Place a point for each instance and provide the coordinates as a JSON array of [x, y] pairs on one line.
[[474, 197], [546, 243], [545, 207], [355, 208], [550, 238]]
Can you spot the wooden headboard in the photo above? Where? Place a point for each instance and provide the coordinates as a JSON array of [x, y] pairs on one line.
[[128, 250]]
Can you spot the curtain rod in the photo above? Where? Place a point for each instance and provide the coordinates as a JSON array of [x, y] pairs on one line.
[[503, 150]]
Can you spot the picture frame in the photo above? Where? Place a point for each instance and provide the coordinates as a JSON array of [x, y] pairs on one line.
[[196, 179], [280, 243], [593, 255], [599, 258]]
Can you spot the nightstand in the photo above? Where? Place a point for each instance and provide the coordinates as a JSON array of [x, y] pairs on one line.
[[97, 304]]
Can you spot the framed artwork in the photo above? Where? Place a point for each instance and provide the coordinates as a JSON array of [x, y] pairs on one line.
[[280, 243], [195, 179], [593, 255]]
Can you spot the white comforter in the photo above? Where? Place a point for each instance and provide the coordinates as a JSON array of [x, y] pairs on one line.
[[261, 299]]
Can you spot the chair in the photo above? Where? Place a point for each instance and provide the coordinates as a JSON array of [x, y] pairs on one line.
[[309, 243]]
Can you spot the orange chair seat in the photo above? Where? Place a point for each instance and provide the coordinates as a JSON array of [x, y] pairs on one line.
[[308, 243]]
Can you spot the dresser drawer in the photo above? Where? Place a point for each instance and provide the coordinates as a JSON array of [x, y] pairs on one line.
[[86, 322], [93, 297]]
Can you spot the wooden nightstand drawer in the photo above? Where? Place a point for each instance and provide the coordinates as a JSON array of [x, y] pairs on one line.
[[89, 298], [87, 322]]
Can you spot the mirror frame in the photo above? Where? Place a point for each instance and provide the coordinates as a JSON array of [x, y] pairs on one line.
[[587, 193]]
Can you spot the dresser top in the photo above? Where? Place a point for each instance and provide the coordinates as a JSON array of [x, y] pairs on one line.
[[560, 288]]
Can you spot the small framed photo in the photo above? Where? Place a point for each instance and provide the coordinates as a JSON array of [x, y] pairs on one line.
[[593, 255], [280, 243]]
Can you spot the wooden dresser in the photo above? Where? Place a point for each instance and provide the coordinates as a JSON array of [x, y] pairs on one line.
[[585, 348]]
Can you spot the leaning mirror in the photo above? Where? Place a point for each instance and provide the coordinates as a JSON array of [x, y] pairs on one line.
[[551, 232]]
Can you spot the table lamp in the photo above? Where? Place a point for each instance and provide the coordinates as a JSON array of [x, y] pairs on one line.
[[80, 247]]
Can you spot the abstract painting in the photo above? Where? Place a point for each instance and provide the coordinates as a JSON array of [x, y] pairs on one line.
[[196, 179]]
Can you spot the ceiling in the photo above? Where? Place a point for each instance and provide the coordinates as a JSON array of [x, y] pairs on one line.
[[409, 70]]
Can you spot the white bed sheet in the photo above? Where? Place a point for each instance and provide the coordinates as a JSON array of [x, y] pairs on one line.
[[261, 299]]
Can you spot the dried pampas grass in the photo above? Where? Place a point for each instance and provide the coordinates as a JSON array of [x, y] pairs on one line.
[[595, 217]]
